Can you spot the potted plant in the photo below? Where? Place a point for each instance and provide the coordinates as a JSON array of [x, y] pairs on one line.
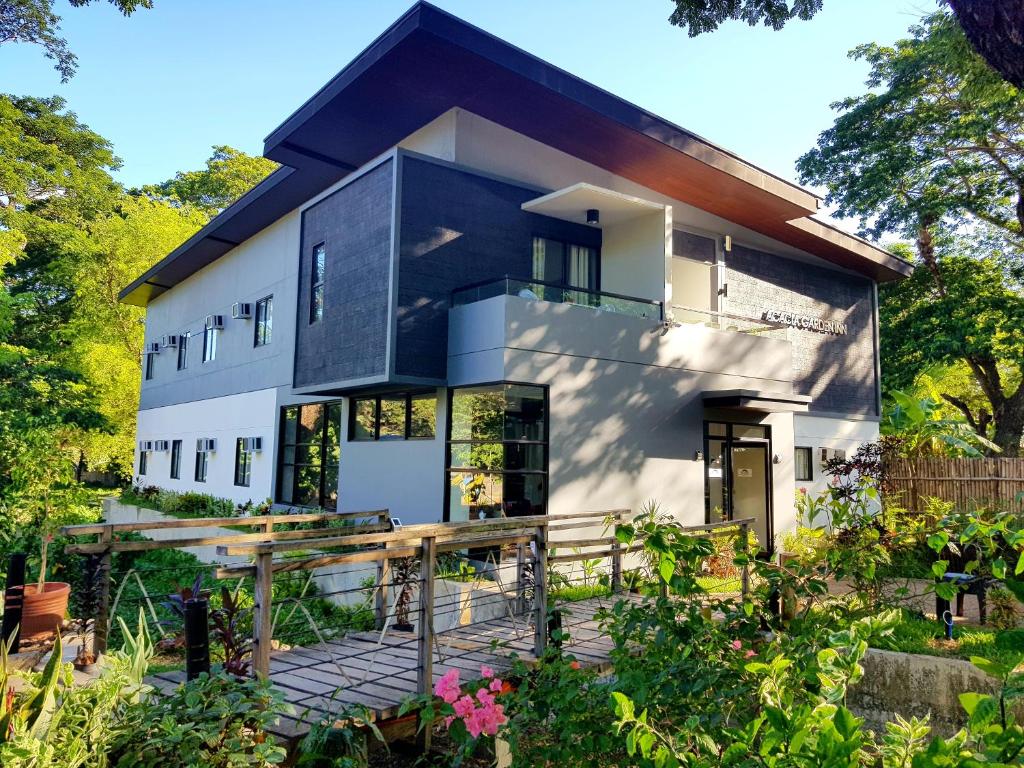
[[405, 572], [45, 603]]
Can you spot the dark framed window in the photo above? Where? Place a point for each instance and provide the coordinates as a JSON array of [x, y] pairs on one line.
[[497, 451], [317, 272], [202, 465], [209, 344], [148, 366], [803, 463], [309, 454], [264, 321], [143, 461], [243, 463], [556, 261], [401, 416], [183, 350], [175, 459]]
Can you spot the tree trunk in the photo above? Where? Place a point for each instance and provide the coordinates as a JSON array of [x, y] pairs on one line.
[[1009, 420]]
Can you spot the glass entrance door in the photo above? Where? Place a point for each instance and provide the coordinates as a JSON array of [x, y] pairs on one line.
[[749, 488]]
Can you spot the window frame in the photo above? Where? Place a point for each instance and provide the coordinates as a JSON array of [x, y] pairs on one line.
[[243, 464], [407, 429], [810, 463], [321, 442], [266, 323], [147, 367], [175, 471], [566, 263], [316, 287], [202, 462], [183, 350], [209, 345], [143, 463], [545, 442]]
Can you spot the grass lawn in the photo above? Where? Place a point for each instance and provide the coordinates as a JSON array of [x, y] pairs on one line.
[[919, 635]]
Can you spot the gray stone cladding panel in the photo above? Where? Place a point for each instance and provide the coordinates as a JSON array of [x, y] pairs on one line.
[[838, 372], [354, 223], [459, 228]]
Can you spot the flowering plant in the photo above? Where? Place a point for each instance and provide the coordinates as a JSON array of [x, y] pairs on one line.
[[467, 713]]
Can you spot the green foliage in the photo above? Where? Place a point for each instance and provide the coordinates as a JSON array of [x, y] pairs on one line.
[[187, 504], [228, 175], [699, 16], [924, 431], [34, 22], [215, 720], [340, 742]]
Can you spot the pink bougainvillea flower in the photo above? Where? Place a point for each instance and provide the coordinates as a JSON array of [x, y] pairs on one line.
[[496, 686], [447, 688], [464, 707], [737, 645], [749, 654], [486, 672]]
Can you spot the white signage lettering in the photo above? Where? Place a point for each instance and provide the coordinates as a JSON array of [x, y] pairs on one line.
[[805, 323]]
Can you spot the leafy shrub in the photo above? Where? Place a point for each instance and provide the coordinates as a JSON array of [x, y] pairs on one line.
[[215, 721], [1004, 611]]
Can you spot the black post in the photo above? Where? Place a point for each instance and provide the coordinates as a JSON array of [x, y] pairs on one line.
[[197, 637], [14, 596]]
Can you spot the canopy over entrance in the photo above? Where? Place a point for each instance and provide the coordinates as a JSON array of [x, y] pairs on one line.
[[756, 400]]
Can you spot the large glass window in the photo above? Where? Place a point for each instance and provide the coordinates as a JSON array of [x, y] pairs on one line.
[[317, 272], [183, 350], [565, 263], [243, 463], [264, 321], [310, 453], [393, 417], [175, 459], [497, 452]]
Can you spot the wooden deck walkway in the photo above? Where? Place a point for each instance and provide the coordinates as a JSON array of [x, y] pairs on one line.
[[379, 671]]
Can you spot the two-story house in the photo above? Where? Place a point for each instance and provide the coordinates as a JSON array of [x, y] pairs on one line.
[[480, 286]]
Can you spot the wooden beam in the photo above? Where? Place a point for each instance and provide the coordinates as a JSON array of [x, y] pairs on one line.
[[318, 561], [425, 644], [251, 521], [263, 619]]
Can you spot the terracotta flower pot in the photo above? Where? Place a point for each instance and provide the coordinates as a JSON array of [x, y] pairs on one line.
[[43, 612]]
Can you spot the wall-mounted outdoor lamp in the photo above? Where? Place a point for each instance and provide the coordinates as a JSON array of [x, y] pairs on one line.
[[698, 455], [776, 459], [593, 216]]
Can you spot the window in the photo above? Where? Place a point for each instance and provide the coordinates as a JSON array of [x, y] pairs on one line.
[[393, 417], [175, 459], [202, 460], [497, 452], [183, 350], [316, 275], [209, 344], [565, 263], [148, 366], [264, 321], [803, 464], [310, 451], [243, 463], [143, 461]]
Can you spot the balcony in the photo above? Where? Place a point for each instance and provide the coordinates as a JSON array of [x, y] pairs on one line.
[[538, 290]]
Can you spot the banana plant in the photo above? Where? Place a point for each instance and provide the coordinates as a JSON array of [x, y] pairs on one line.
[[925, 431]]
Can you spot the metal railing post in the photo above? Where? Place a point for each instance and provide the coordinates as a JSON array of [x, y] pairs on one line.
[[616, 555], [425, 647], [197, 637], [540, 591], [520, 577], [262, 625], [101, 624]]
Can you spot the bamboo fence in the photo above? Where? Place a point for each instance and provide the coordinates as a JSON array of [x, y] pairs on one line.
[[967, 483]]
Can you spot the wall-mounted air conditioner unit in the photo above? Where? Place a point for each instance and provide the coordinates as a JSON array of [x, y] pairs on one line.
[[145, 446], [161, 445], [206, 444], [252, 444], [215, 322], [170, 341], [153, 348], [241, 310]]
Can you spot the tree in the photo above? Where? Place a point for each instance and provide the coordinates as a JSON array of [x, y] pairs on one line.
[[923, 430], [34, 22], [228, 175], [966, 310], [994, 27]]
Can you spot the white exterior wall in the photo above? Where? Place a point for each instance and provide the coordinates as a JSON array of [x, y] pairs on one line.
[[817, 432], [250, 414], [634, 254], [403, 476]]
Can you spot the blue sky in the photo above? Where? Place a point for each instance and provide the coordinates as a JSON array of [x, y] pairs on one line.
[[167, 84]]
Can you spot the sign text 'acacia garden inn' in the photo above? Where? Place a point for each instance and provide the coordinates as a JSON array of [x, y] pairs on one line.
[[479, 286]]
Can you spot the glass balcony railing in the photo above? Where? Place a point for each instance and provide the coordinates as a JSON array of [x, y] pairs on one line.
[[538, 290], [723, 321]]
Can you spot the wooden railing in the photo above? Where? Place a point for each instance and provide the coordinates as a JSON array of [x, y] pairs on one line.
[[370, 540]]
